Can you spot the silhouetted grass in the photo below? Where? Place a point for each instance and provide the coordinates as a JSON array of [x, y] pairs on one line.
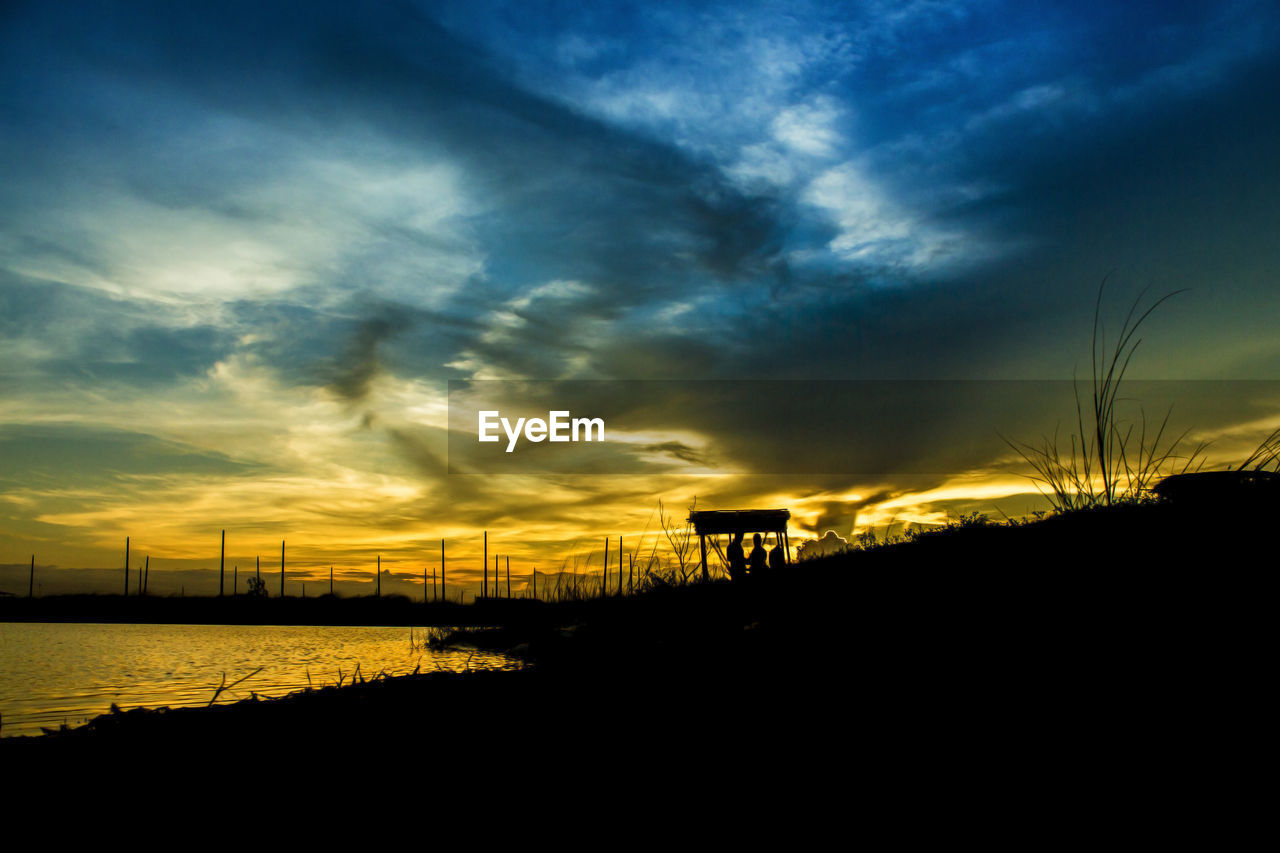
[[1104, 461]]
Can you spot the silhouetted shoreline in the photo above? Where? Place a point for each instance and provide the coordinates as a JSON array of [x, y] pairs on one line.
[[1001, 630]]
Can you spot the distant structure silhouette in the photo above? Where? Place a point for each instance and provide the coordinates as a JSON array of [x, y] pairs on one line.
[[1259, 490], [736, 523]]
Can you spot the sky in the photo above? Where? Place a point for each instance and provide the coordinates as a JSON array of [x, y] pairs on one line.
[[246, 247]]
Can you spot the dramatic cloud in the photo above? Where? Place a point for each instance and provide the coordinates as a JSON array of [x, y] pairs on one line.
[[244, 247]]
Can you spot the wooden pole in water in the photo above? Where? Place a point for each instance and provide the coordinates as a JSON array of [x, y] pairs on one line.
[[485, 586], [442, 592], [257, 570], [377, 588], [496, 588], [604, 579], [331, 579], [282, 568], [146, 576], [631, 574], [508, 577], [535, 583], [222, 563], [31, 582], [126, 567], [619, 565]]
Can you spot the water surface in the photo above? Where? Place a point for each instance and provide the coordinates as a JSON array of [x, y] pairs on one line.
[[54, 673]]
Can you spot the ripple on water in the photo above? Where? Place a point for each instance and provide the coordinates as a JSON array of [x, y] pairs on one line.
[[55, 673]]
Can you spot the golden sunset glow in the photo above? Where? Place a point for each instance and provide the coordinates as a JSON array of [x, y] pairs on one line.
[[234, 316]]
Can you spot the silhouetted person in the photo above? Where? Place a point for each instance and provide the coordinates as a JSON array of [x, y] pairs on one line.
[[737, 562], [759, 559], [777, 558]]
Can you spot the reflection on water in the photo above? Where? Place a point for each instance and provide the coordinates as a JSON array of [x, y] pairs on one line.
[[56, 673]]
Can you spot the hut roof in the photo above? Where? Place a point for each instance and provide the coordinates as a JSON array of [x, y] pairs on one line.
[[733, 520]]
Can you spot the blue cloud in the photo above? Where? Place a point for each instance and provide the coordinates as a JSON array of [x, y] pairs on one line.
[[433, 191]]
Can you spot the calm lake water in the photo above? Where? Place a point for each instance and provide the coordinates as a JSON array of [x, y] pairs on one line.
[[56, 673]]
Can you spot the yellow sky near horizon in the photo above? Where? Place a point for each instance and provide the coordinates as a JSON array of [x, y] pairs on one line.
[[343, 484]]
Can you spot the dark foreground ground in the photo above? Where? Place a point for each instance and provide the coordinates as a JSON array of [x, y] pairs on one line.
[[1108, 651]]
